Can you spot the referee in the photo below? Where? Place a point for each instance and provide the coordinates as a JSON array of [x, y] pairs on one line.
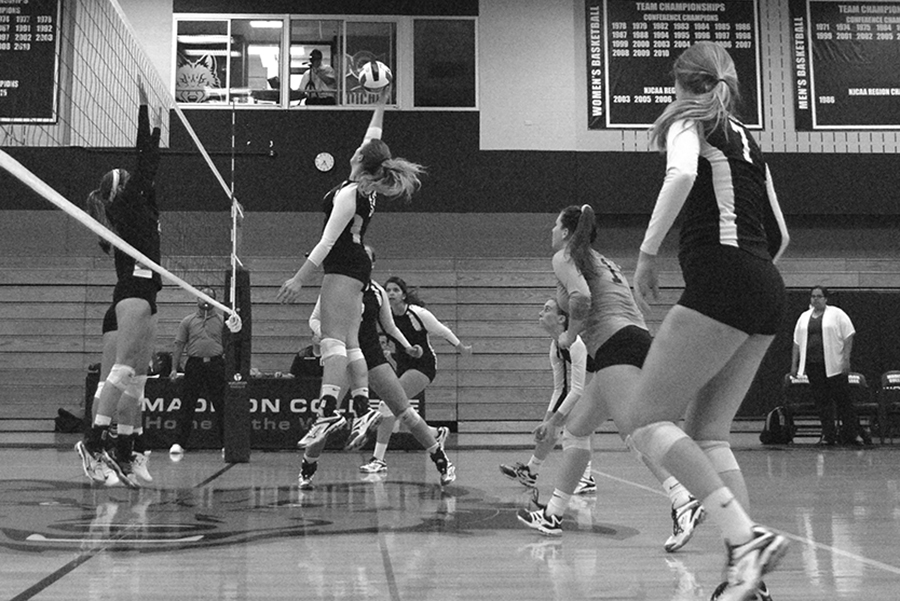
[[200, 338]]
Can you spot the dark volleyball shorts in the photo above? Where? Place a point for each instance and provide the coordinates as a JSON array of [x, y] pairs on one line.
[[132, 287], [370, 345], [628, 346], [427, 364], [349, 260], [110, 323], [733, 287]]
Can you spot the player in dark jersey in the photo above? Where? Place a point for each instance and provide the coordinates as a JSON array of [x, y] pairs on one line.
[[380, 374], [712, 341], [127, 203], [416, 372]]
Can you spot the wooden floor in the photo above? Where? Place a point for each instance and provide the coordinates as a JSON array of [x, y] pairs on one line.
[[204, 529]]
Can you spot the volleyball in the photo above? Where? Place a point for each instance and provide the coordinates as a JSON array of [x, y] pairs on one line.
[[375, 75]]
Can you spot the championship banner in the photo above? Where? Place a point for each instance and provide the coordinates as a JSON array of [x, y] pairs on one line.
[[632, 46], [847, 66], [29, 60]]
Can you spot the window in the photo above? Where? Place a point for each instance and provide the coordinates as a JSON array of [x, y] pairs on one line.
[[444, 57], [201, 74], [313, 38], [369, 41], [222, 60]]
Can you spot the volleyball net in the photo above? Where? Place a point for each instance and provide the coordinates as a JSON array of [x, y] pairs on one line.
[[98, 62]]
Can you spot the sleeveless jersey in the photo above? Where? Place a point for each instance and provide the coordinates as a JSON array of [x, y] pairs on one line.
[[728, 203], [349, 245]]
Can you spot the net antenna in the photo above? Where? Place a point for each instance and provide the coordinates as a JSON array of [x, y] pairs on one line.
[[98, 55]]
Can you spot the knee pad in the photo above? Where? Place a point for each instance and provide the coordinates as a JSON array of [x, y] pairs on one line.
[[99, 389], [136, 388], [409, 418], [719, 454], [570, 441], [654, 440], [355, 354], [120, 376], [332, 347], [384, 409]]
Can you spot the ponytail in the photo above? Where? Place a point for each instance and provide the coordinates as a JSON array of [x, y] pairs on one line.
[[96, 208], [582, 223], [394, 178]]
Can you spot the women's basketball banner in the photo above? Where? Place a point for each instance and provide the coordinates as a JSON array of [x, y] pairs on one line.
[[846, 64], [631, 47]]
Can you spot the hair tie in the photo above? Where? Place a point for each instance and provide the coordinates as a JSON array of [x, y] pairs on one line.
[[585, 206], [720, 80]]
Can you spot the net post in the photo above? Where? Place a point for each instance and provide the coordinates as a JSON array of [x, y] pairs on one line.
[[237, 369]]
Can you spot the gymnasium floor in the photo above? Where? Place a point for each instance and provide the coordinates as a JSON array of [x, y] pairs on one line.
[[204, 529]]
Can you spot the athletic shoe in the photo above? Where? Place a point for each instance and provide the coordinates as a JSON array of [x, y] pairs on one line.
[[176, 449], [684, 520], [748, 562], [585, 486], [122, 469], [139, 465], [446, 469], [321, 429], [110, 479], [374, 466], [551, 525], [510, 470], [441, 437], [362, 425], [307, 471], [525, 477], [90, 463], [762, 593]]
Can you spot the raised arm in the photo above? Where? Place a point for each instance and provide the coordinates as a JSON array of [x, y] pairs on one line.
[[375, 129]]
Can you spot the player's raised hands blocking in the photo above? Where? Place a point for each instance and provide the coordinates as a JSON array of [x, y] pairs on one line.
[[142, 92]]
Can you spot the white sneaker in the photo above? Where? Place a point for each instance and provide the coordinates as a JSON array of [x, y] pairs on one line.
[[321, 429], [684, 520], [139, 465], [92, 466], [748, 562], [585, 486], [110, 478], [374, 466], [176, 449], [362, 425]]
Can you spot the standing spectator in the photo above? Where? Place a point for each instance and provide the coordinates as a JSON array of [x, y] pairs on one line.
[[823, 340], [200, 338], [319, 81]]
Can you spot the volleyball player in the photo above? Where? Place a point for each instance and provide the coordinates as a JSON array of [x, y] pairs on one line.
[[383, 379], [603, 312], [416, 372], [127, 201], [349, 208], [711, 343], [569, 369]]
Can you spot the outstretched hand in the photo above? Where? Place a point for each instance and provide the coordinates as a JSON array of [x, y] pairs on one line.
[[384, 94]]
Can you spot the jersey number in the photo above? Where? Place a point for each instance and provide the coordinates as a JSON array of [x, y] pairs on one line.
[[613, 270], [745, 143]]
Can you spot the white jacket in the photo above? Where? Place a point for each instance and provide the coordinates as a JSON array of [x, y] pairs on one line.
[[836, 329]]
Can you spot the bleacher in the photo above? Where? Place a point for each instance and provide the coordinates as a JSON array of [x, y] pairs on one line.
[[50, 314]]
